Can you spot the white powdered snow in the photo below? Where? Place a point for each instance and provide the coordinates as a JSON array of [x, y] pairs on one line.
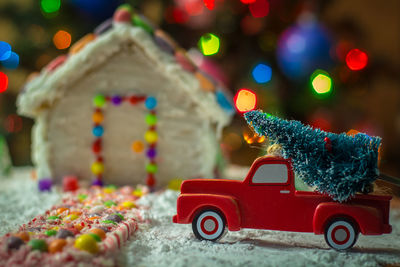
[[162, 243]]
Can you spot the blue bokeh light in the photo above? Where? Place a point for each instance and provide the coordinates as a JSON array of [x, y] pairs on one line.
[[5, 51], [262, 73], [12, 62]]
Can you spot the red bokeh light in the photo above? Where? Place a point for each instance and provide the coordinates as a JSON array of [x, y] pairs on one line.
[[210, 4], [194, 8], [3, 82], [176, 15], [356, 59], [259, 8], [246, 2]]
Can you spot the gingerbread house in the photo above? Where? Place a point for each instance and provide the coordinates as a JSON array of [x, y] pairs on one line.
[[124, 106]]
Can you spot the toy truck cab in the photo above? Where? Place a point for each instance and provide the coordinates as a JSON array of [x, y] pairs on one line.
[[267, 199]]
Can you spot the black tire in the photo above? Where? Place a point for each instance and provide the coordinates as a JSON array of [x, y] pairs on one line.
[[341, 234], [209, 225]]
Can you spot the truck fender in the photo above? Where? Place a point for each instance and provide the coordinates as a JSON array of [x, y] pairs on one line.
[[368, 219], [191, 204]]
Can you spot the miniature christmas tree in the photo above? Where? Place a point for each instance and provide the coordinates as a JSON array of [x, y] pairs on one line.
[[337, 164]]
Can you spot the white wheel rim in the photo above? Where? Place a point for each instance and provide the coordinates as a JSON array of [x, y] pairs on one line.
[[209, 225], [341, 235]]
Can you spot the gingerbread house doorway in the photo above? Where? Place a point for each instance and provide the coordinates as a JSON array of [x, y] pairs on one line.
[[124, 139]]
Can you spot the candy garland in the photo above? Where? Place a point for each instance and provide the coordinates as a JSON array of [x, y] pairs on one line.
[[87, 228], [151, 136]]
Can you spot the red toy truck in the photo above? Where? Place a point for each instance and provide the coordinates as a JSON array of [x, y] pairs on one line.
[[267, 199]]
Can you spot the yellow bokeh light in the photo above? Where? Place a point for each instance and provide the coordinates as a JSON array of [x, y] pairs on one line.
[[245, 100], [321, 83]]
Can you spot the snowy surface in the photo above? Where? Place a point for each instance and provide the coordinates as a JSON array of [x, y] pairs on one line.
[[162, 243]]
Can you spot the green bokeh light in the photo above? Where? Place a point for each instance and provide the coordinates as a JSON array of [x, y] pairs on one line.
[[50, 6], [209, 44], [321, 82]]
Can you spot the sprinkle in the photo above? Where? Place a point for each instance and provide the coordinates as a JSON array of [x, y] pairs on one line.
[[97, 168], [151, 168], [140, 22], [79, 45], [116, 100], [109, 221], [151, 153], [109, 203], [98, 131], [137, 146], [151, 119]]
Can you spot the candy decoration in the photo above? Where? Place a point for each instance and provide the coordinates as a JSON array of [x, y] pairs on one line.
[[150, 181], [57, 245], [137, 146], [71, 217], [205, 83], [50, 232], [184, 61], [14, 242], [122, 16], [96, 237], [87, 243], [151, 103], [164, 42], [151, 153], [151, 119], [128, 205], [23, 235], [79, 45], [140, 22], [151, 136], [53, 217], [45, 184], [175, 184], [99, 101], [151, 168], [98, 131], [61, 210], [64, 233], [97, 168], [223, 101], [103, 27], [116, 100], [57, 62], [38, 244], [114, 217], [99, 232], [110, 203], [70, 183]]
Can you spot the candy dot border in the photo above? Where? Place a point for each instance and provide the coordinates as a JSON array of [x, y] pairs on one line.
[[99, 107]]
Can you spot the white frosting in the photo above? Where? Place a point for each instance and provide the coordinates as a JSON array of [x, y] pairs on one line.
[[122, 61]]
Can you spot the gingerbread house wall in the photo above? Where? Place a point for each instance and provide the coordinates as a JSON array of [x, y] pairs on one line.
[[187, 144]]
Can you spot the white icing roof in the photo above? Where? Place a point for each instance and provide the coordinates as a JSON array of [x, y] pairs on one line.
[[43, 90]]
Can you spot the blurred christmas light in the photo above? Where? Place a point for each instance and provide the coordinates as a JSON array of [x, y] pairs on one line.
[[176, 15], [251, 25], [233, 141], [245, 100], [3, 82], [5, 50], [262, 73], [12, 62], [246, 2], [13, 123], [209, 44], [194, 7], [210, 4], [50, 6], [321, 82], [254, 138], [259, 8], [62, 40], [356, 59], [352, 132]]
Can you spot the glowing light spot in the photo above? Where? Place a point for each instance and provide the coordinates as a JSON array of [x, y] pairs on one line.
[[259, 8], [62, 40], [194, 8], [209, 44], [137, 146], [246, 2], [253, 138], [3, 82], [245, 100], [296, 43], [321, 82], [352, 132], [5, 51], [210, 4], [50, 6], [11, 62], [356, 59], [262, 73]]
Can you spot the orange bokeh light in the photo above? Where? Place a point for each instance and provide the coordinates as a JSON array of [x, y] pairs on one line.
[[245, 100], [62, 39]]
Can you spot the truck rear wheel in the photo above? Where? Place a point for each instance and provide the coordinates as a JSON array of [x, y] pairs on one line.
[[341, 234], [208, 225]]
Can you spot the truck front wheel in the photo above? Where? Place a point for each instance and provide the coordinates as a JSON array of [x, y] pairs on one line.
[[208, 225], [341, 234]]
